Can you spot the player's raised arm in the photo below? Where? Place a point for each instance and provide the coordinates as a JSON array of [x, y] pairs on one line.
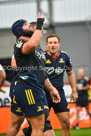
[[34, 41]]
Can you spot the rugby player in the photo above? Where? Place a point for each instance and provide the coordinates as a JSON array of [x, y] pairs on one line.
[[82, 101], [57, 62], [29, 88]]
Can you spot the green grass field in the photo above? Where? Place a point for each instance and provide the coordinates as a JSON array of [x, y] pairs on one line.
[[80, 132]]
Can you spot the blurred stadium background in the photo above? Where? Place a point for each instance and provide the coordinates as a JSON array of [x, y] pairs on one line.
[[70, 19]]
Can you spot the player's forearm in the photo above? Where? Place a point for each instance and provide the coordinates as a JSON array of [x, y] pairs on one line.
[[86, 87], [47, 85], [72, 80], [33, 42], [2, 77]]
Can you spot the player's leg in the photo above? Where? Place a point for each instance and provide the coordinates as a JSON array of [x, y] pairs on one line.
[[48, 131], [37, 123], [16, 121], [76, 126], [86, 105], [17, 118], [77, 114], [62, 111], [88, 111], [64, 118], [26, 131], [79, 103], [32, 105]]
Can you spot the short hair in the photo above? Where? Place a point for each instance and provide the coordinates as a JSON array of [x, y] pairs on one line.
[[52, 35]]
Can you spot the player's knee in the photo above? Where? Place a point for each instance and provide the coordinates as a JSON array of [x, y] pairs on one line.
[[47, 121], [66, 124]]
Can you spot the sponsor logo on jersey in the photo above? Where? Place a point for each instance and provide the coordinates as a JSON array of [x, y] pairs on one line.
[[24, 77], [48, 61], [57, 70], [40, 55]]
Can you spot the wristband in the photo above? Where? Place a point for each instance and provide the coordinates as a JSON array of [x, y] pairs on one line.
[[39, 23]]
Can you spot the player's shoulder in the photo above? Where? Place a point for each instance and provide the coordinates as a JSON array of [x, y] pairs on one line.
[[64, 53], [86, 78], [18, 44], [44, 52]]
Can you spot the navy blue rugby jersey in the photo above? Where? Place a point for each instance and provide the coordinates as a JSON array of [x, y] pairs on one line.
[[56, 68], [31, 66], [82, 83]]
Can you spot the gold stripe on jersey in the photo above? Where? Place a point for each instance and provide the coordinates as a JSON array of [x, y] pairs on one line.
[[30, 96]]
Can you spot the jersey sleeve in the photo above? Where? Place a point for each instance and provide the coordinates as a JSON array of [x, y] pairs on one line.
[[68, 63], [18, 48]]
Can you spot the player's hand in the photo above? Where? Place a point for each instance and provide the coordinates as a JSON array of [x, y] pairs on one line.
[[55, 95], [80, 88], [74, 96], [1, 90], [39, 16]]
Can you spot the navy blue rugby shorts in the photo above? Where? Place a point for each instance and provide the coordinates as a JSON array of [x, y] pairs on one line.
[[82, 101], [30, 99], [59, 107]]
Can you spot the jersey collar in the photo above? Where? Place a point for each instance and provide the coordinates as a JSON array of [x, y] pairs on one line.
[[53, 57]]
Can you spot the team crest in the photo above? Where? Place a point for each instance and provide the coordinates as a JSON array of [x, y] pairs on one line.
[[61, 60]]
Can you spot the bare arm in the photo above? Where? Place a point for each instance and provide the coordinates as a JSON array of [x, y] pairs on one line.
[[2, 77], [13, 62], [72, 81], [86, 87], [53, 91], [34, 41]]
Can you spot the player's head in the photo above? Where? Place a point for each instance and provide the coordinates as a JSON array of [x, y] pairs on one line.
[[33, 26], [53, 43], [80, 73], [21, 28]]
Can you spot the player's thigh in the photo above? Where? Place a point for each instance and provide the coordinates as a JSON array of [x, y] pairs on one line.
[[64, 118], [16, 119], [37, 122]]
